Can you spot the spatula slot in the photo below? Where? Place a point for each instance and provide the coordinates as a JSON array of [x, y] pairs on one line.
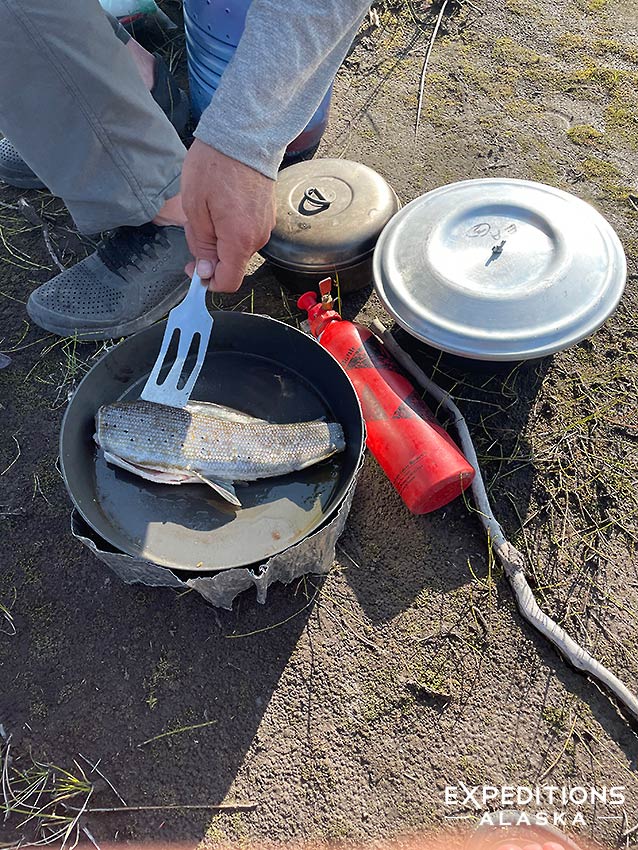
[[169, 357], [186, 368]]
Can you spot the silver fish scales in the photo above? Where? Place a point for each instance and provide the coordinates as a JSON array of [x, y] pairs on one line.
[[208, 443]]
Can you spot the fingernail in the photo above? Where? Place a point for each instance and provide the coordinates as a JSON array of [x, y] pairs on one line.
[[204, 268]]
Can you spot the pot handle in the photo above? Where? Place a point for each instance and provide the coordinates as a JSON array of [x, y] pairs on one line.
[[316, 199]]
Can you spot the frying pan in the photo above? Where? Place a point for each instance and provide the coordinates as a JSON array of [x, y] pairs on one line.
[[258, 365]]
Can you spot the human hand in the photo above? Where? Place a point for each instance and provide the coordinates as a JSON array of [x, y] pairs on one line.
[[230, 209]]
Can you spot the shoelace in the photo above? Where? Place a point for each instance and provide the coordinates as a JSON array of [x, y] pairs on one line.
[[126, 245]]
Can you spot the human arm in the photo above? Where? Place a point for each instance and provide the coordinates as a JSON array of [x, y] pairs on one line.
[[286, 60]]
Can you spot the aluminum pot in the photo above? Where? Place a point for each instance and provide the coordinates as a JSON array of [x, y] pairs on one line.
[[330, 213], [499, 270]]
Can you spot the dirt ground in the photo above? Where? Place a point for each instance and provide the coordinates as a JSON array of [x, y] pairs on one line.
[[343, 707]]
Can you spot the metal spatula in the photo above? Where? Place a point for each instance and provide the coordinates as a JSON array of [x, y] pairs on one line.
[[189, 319]]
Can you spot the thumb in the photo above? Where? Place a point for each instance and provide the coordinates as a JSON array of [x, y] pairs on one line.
[[205, 268], [203, 246]]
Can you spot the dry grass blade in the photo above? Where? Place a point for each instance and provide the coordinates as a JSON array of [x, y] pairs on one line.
[[33, 218], [85, 830], [630, 831], [275, 625], [561, 752], [177, 732], [60, 365], [15, 459], [8, 627], [424, 69], [37, 795], [192, 807], [94, 769]]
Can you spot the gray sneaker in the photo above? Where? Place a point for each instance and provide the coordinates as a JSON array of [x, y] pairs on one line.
[[14, 170], [133, 279]]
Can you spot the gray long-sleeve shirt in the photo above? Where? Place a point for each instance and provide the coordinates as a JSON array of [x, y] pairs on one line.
[[286, 59]]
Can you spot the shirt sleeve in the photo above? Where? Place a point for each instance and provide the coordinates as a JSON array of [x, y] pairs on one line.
[[286, 59]]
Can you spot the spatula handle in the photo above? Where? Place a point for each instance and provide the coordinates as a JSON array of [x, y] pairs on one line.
[[196, 290]]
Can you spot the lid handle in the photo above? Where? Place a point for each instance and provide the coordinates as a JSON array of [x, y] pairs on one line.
[[316, 199]]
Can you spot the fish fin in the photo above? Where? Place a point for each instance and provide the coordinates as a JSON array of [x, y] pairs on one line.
[[220, 411], [191, 476], [224, 488], [156, 475]]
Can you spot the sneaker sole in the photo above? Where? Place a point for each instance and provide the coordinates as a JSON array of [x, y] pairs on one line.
[[115, 331]]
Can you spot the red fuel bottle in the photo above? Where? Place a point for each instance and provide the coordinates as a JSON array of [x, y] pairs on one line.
[[421, 460]]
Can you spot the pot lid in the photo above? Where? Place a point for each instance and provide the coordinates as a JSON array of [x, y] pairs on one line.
[[499, 269], [330, 213]]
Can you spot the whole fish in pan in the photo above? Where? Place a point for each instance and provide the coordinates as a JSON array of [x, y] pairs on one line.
[[209, 443]]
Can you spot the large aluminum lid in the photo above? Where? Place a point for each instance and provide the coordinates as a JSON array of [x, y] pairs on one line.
[[330, 213], [499, 269]]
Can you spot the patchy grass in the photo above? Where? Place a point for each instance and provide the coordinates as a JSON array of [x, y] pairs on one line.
[[585, 136], [517, 68], [46, 633], [384, 695], [165, 671], [616, 49], [524, 8], [569, 43], [606, 177], [227, 830], [588, 500], [508, 52]]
